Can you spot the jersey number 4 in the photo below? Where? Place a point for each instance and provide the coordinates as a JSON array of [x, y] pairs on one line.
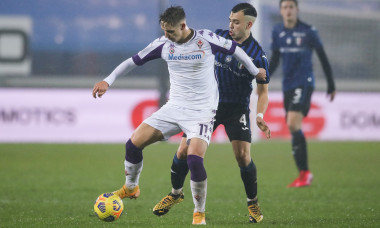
[[243, 120]]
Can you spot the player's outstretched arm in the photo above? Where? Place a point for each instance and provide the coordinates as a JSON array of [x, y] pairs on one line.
[[262, 104], [242, 57], [99, 89]]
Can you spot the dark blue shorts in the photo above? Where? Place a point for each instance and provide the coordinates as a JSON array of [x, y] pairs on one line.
[[298, 99]]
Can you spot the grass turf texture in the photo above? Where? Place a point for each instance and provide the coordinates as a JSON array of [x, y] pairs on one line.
[[54, 185]]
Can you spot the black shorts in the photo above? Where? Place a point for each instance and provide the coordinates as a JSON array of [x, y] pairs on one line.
[[235, 118], [298, 99]]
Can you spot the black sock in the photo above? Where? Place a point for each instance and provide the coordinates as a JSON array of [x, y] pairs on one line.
[[299, 150], [249, 176], [179, 171]]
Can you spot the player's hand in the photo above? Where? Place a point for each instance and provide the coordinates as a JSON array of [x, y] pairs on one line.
[[262, 75], [263, 126], [331, 95], [100, 88]]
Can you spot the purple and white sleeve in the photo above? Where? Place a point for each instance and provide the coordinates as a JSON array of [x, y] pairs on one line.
[[152, 51], [229, 47], [120, 70], [242, 57]]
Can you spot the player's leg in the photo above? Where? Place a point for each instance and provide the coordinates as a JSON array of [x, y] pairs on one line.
[[143, 136], [238, 129], [294, 122], [198, 182], [179, 170], [248, 175], [159, 126], [298, 107], [299, 148], [248, 171]]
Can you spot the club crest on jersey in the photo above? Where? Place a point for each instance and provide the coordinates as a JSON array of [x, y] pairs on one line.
[[197, 197], [171, 48], [228, 59], [200, 44], [288, 41], [240, 66], [298, 41]]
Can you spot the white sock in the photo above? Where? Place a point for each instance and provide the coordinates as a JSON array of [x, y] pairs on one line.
[[176, 191], [254, 199], [132, 174], [199, 191]]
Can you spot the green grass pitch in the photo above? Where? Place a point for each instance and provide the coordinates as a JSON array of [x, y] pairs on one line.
[[55, 185]]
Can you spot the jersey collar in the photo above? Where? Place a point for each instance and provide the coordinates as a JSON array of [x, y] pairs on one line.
[[247, 41]]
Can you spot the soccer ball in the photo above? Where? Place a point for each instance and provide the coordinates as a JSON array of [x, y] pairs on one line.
[[108, 207]]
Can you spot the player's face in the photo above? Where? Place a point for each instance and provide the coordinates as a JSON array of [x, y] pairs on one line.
[[173, 33], [289, 11], [238, 26]]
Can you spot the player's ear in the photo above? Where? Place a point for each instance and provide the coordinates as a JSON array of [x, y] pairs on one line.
[[249, 25], [183, 26]]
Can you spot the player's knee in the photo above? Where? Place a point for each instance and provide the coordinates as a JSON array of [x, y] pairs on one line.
[[293, 127], [136, 140], [182, 150], [243, 159], [293, 124], [182, 153]]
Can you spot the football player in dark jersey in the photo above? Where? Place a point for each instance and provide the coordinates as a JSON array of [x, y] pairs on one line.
[[293, 41]]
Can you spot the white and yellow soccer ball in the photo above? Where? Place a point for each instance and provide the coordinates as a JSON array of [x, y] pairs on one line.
[[108, 207]]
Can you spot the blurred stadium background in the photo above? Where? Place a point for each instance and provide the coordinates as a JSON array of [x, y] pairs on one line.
[[73, 44]]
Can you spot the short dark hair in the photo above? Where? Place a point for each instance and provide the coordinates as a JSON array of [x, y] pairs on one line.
[[173, 15], [247, 9], [295, 2]]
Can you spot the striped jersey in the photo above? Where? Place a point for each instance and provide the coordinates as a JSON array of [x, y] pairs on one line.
[[296, 48], [235, 82], [193, 83]]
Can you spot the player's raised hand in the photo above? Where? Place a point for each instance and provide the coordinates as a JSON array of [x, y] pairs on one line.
[[263, 126], [100, 88], [262, 75]]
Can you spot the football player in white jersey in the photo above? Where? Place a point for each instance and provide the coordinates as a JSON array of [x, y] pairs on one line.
[[192, 101]]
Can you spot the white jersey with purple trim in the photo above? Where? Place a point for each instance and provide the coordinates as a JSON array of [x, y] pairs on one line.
[[193, 83]]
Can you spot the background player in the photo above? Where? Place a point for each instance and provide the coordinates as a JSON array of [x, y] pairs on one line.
[[235, 88], [294, 41], [192, 102]]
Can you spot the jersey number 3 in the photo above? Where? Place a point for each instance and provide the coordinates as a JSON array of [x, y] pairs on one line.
[[297, 95]]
